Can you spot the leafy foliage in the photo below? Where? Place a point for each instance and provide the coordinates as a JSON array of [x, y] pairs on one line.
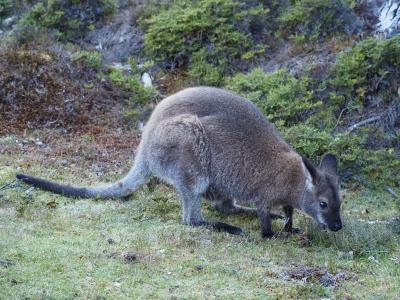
[[309, 124], [5, 8], [92, 59], [212, 32], [371, 66], [66, 19], [280, 96], [131, 82], [313, 20]]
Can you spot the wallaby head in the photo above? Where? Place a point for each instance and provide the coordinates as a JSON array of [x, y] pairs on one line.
[[321, 199]]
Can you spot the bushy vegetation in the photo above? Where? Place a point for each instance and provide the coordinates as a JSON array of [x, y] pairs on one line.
[[283, 98], [66, 19], [362, 78], [5, 8], [208, 37], [313, 20], [370, 67], [140, 95]]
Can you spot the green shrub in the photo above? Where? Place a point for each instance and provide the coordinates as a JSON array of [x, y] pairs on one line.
[[283, 98], [66, 19], [6, 7], [216, 32], [140, 95], [310, 125], [372, 66], [312, 20], [92, 59]]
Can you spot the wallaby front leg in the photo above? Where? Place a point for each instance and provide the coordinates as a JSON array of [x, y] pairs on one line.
[[288, 210], [266, 226]]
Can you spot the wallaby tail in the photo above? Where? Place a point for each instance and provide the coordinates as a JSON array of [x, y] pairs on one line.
[[136, 177]]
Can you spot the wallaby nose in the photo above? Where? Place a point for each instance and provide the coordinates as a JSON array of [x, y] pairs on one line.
[[337, 226]]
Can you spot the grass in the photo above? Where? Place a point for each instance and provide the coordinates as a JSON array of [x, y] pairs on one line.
[[137, 249]]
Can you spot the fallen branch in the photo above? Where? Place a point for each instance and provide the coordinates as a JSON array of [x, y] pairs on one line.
[[391, 192], [369, 120]]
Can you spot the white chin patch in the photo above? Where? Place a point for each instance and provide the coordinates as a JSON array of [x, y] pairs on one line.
[[320, 219]]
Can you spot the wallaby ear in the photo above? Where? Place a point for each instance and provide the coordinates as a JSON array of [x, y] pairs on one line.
[[329, 164], [311, 168]]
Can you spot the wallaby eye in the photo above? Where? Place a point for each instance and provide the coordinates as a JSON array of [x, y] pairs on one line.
[[323, 204]]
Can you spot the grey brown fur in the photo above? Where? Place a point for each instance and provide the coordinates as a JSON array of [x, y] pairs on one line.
[[211, 143]]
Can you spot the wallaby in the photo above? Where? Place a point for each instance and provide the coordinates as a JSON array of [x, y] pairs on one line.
[[211, 143]]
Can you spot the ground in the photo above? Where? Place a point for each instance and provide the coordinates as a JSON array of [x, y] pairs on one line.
[[52, 247]]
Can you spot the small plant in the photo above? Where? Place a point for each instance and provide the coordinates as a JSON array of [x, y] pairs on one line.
[[140, 95], [92, 59]]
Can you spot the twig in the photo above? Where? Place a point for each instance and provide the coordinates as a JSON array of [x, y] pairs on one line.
[[369, 120], [391, 192], [340, 116], [10, 185]]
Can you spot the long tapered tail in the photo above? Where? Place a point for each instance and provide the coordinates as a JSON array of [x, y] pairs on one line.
[[136, 177]]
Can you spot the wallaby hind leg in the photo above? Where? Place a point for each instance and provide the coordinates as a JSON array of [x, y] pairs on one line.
[[180, 155], [191, 213]]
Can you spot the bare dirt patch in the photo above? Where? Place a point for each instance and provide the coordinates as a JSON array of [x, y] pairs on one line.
[[315, 275]]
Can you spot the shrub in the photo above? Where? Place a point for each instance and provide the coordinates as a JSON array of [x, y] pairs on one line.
[[313, 20], [92, 59], [6, 7], [372, 66], [216, 32], [66, 19], [310, 125], [283, 98], [140, 95]]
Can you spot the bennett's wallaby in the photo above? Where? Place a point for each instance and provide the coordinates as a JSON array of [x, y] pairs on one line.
[[211, 143]]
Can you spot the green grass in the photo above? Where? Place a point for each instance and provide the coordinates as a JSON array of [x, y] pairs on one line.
[[61, 248]]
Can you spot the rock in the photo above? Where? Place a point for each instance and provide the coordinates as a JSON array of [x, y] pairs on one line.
[[7, 23], [116, 41], [146, 80]]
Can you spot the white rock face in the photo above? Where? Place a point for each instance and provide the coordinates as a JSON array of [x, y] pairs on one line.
[[389, 18]]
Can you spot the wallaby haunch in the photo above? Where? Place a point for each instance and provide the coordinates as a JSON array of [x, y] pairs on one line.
[[211, 143]]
